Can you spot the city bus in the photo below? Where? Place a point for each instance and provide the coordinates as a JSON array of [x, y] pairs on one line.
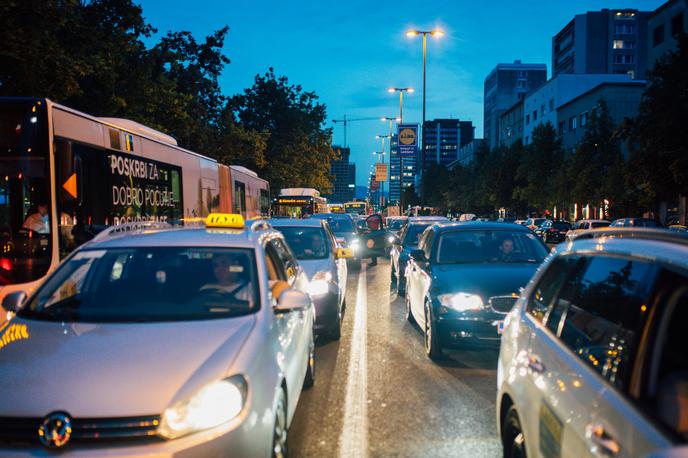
[[66, 175], [298, 202], [356, 208], [336, 208]]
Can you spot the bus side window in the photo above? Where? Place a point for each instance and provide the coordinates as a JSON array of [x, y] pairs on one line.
[[240, 197]]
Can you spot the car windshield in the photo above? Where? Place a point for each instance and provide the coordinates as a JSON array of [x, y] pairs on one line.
[[340, 225], [487, 246], [396, 224], [148, 285], [413, 234], [307, 243], [599, 224]]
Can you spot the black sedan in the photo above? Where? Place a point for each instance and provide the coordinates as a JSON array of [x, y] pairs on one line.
[[553, 231], [344, 229], [465, 277]]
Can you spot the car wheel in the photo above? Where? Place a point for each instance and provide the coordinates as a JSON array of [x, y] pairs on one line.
[[336, 331], [279, 435], [393, 283], [513, 442], [432, 344], [409, 314], [309, 380]]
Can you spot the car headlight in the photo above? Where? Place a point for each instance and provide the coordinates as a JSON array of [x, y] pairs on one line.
[[461, 302], [320, 284], [390, 239], [355, 242], [215, 404]]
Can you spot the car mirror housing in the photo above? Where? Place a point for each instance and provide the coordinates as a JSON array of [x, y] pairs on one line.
[[13, 302], [278, 287], [418, 255], [344, 253], [292, 300]]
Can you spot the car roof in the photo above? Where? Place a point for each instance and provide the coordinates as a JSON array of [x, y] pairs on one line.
[[292, 222], [480, 225], [330, 216], [670, 247], [182, 237]]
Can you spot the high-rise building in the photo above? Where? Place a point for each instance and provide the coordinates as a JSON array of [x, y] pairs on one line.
[[607, 41], [342, 176], [504, 86], [663, 27], [442, 140]]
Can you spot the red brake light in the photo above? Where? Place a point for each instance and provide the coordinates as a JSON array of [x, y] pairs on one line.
[[5, 264]]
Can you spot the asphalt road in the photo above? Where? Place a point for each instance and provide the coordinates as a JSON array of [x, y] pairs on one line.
[[377, 394]]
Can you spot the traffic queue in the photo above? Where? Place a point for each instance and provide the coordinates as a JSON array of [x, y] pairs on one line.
[[590, 333]]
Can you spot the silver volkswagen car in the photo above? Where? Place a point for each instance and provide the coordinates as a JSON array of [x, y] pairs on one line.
[[317, 250], [179, 342]]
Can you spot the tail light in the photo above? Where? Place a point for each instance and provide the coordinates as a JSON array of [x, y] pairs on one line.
[[5, 264]]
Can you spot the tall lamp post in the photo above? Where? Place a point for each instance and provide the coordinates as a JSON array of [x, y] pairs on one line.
[[401, 91], [414, 33]]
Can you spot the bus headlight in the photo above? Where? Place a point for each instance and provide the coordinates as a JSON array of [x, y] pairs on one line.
[[215, 404], [461, 302]]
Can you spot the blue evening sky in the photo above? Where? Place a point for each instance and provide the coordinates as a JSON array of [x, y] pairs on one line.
[[350, 52]]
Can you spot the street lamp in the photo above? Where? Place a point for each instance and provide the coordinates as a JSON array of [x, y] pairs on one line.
[[414, 33], [401, 91]]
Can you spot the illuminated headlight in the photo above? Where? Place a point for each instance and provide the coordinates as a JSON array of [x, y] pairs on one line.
[[214, 405], [461, 302], [390, 239], [355, 244], [320, 284]]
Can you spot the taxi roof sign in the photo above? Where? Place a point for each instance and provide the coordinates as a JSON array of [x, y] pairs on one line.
[[225, 220]]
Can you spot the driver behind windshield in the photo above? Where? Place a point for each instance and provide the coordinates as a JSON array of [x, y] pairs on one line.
[[229, 273], [506, 250], [314, 246]]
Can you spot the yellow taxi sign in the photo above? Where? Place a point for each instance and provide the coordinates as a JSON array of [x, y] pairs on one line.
[[225, 220]]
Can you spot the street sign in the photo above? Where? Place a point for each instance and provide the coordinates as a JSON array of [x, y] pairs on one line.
[[408, 139], [380, 172]]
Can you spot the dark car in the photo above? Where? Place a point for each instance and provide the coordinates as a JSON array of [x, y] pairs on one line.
[[553, 231], [465, 277], [344, 229], [402, 245], [635, 222], [373, 237]]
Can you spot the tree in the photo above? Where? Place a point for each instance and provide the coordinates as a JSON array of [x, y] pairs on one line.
[[538, 168], [658, 135], [409, 198], [298, 148]]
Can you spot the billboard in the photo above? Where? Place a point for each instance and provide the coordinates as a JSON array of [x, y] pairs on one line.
[[408, 139], [380, 172]]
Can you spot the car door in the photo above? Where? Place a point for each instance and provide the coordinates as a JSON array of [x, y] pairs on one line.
[[417, 278], [646, 413], [294, 332], [340, 264], [543, 429], [599, 318], [396, 250]]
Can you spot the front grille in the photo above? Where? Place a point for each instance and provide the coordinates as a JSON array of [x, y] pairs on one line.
[[502, 304], [25, 430]]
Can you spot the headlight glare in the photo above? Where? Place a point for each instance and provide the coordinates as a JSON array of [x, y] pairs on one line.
[[320, 284], [215, 404], [462, 302]]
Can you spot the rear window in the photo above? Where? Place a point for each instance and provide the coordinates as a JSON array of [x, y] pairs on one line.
[[307, 243], [413, 234]]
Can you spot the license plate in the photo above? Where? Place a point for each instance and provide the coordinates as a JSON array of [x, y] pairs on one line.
[[500, 327]]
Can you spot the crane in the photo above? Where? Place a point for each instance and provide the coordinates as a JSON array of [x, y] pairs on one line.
[[346, 120]]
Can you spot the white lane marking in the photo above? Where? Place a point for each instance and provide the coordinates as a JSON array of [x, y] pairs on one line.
[[353, 442]]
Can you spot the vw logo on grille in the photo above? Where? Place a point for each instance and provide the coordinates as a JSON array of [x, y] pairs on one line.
[[55, 430]]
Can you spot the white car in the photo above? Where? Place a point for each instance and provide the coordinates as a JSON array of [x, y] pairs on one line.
[[593, 359], [190, 341]]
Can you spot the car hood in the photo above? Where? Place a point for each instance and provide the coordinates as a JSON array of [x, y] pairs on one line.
[[313, 266], [112, 370], [488, 280]]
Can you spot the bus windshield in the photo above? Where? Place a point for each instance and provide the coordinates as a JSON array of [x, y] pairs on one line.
[[357, 208], [25, 202]]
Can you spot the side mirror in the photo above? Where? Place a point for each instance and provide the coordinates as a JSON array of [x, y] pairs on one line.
[[344, 253], [418, 255], [292, 300], [13, 302]]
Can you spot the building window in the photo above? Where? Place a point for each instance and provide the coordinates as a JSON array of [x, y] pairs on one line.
[[676, 24], [534, 115], [583, 118], [542, 110], [522, 74], [624, 29], [624, 58], [527, 119], [521, 84], [658, 35], [551, 105], [572, 123], [618, 44]]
